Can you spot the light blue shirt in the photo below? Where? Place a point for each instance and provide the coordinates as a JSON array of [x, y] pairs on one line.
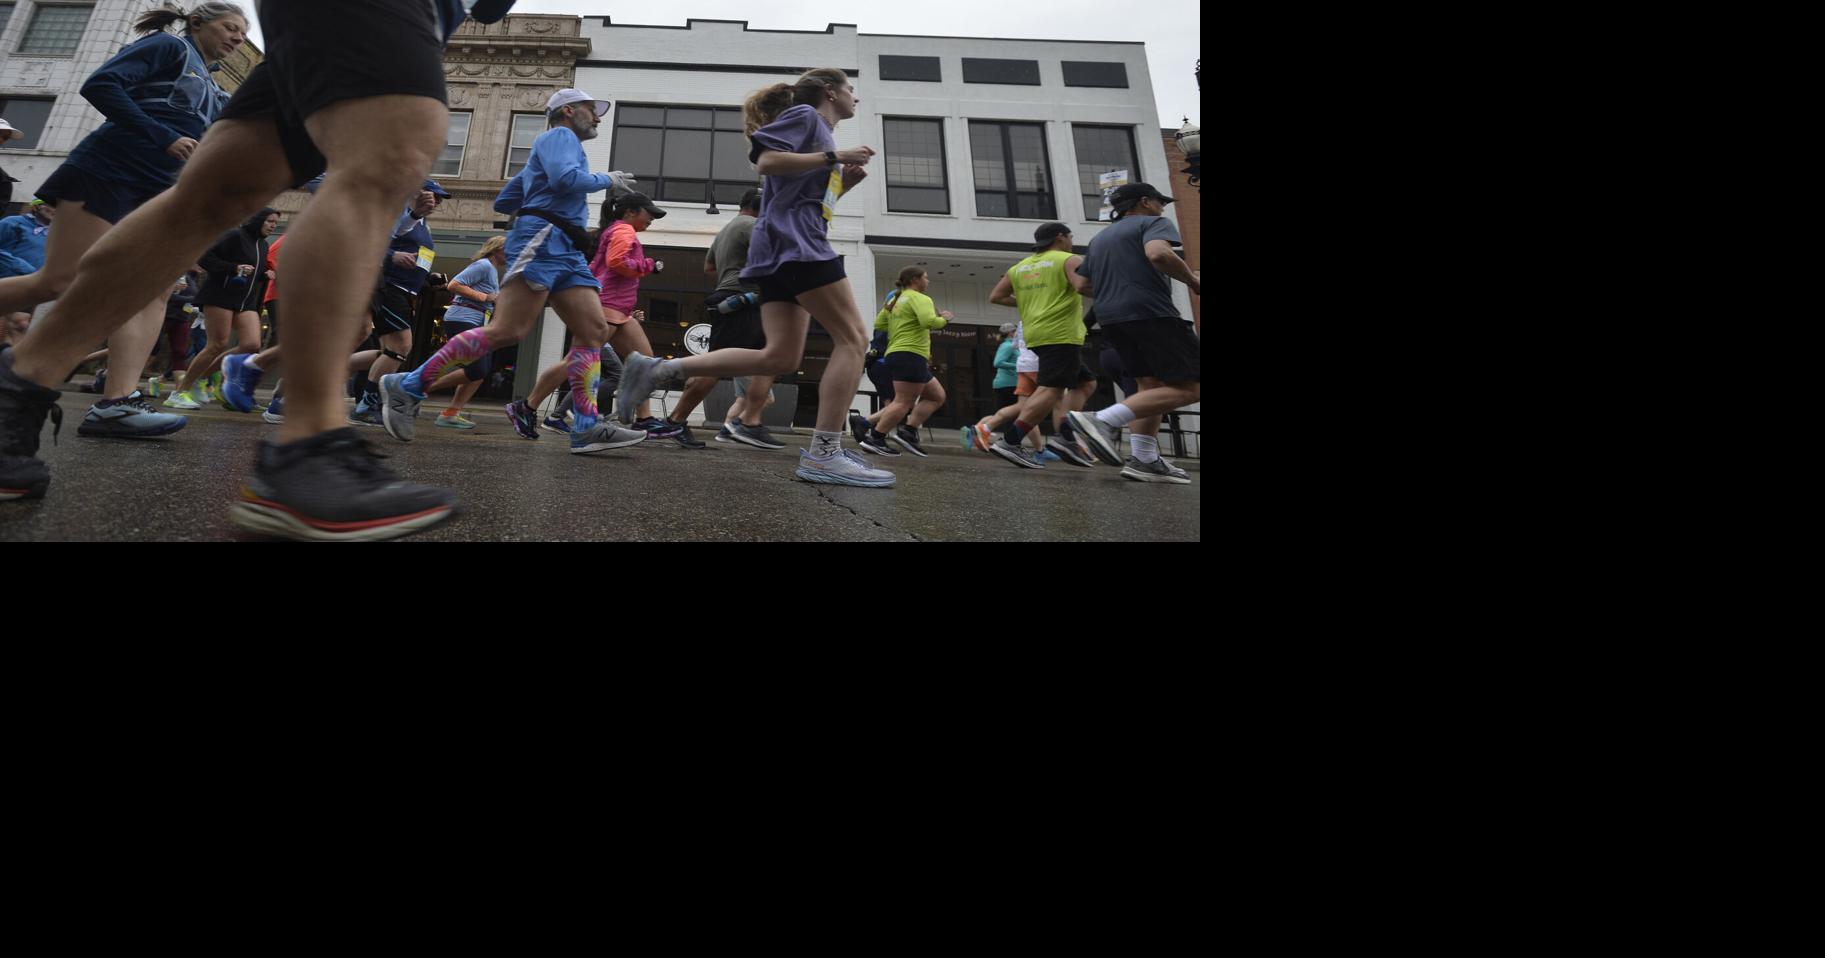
[[556, 178], [481, 277]]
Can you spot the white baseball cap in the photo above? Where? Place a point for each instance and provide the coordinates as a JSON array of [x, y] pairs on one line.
[[10, 132], [564, 98]]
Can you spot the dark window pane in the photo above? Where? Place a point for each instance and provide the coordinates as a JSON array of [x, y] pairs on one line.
[[731, 161], [915, 153], [729, 120], [679, 190], [1029, 157], [731, 193], [637, 152], [30, 117], [906, 199], [683, 119], [1034, 206], [910, 68], [1101, 149], [1016, 72], [1082, 73], [991, 204], [687, 153], [640, 116]]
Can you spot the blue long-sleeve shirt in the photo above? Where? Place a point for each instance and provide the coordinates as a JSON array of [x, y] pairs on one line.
[[22, 245], [556, 178], [154, 92]]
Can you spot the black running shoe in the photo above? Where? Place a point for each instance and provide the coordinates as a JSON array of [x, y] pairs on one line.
[[685, 440], [524, 418], [908, 439], [756, 436], [879, 446], [23, 408], [858, 427], [332, 488]]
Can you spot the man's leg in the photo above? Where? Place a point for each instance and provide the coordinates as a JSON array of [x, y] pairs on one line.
[[695, 392], [394, 346], [237, 169], [72, 236], [131, 346]]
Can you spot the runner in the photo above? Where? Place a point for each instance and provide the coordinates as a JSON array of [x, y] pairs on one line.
[[477, 288], [336, 71], [395, 307], [230, 300], [159, 97], [909, 319], [1128, 268], [799, 275], [734, 309], [1047, 290], [549, 264], [22, 240]]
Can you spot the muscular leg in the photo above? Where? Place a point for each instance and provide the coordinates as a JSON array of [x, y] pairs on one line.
[[131, 346]]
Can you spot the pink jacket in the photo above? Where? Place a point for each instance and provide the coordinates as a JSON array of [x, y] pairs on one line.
[[620, 262]]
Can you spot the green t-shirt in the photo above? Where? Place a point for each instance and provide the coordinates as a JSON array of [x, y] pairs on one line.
[[1050, 308], [910, 322]]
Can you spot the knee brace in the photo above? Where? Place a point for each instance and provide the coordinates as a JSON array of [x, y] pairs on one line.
[[393, 356]]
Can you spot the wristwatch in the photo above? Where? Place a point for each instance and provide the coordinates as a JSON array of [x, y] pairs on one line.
[[829, 158]]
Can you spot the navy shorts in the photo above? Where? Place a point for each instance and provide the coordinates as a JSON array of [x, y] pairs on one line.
[[109, 200], [909, 368], [792, 279]]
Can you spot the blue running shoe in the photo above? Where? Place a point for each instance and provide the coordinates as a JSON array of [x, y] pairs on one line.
[[238, 383], [556, 424], [275, 413]]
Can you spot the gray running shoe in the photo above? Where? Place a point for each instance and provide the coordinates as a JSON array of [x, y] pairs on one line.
[[1018, 455], [398, 408], [130, 418], [332, 488], [1158, 470], [756, 436], [843, 469], [1100, 435], [603, 436], [639, 375], [1067, 450]]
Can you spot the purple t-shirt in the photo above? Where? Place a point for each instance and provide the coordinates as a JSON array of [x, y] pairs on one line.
[[791, 226]]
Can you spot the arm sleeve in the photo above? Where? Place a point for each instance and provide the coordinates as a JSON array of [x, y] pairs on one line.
[[1007, 357], [557, 157], [513, 195], [787, 134], [107, 88], [10, 235], [620, 256]]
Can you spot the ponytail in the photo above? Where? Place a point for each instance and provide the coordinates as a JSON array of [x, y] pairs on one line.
[[158, 20], [765, 105]]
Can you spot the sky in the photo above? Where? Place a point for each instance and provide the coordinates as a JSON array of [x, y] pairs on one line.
[[1168, 27]]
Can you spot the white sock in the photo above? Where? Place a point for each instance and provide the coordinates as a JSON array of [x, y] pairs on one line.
[[1145, 448], [826, 445], [250, 364], [1118, 415]]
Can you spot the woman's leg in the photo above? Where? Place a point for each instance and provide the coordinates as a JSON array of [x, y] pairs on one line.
[[216, 324], [931, 399], [130, 346], [905, 395], [627, 339]]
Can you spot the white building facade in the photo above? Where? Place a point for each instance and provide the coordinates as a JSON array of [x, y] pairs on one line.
[[979, 141]]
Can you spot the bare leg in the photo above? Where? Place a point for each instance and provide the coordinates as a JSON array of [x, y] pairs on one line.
[[759, 397], [464, 393], [401, 343], [905, 395], [695, 392], [131, 346], [217, 324], [931, 399], [74, 232]]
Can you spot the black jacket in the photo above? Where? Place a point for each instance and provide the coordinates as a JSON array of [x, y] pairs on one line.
[[241, 246]]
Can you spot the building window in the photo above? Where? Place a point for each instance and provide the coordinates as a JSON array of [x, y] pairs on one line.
[[55, 30], [1010, 163], [29, 116], [526, 128], [1014, 72], [1102, 149], [682, 153], [1085, 73], [915, 166], [456, 143], [6, 16], [923, 69]]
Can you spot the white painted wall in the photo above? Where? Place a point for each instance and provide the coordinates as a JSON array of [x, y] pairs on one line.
[[72, 118]]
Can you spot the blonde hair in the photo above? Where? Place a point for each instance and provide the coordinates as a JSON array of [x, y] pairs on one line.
[[765, 105], [493, 246]]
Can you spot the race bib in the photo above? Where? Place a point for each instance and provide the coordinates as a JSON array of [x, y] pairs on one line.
[[426, 255], [833, 192]]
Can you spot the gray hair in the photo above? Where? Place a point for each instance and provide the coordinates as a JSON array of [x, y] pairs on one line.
[[1007, 329], [209, 12]]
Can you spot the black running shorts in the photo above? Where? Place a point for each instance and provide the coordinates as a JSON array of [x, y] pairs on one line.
[[393, 309], [792, 279], [321, 52], [1062, 367], [1163, 349], [738, 330]]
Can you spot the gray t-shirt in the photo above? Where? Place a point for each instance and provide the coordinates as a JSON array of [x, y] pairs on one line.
[[1128, 288], [730, 254]]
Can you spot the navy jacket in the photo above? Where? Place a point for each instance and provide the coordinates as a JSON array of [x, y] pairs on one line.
[[154, 91]]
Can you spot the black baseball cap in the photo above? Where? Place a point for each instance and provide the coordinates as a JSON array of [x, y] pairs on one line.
[[1124, 197], [1043, 236], [636, 201]]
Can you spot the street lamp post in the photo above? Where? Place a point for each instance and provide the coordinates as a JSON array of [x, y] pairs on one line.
[[1188, 139]]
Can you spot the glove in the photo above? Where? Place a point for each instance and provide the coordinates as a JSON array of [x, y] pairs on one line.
[[623, 183]]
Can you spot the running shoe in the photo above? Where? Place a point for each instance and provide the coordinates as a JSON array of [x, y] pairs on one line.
[[524, 418], [363, 416], [556, 424], [908, 439], [722, 435], [639, 377], [182, 400], [398, 408], [603, 436], [1100, 435], [23, 408], [981, 437], [332, 488], [858, 427], [1158, 470], [275, 413], [238, 383], [1067, 450], [1173, 468], [843, 469], [458, 421], [133, 417], [879, 446], [684, 439], [658, 428], [1018, 455], [1046, 455], [756, 436]]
